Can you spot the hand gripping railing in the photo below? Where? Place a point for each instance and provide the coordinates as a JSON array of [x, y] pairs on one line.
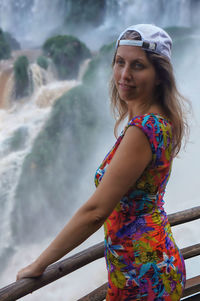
[[57, 270]]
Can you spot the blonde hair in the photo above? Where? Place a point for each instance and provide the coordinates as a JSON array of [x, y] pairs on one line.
[[167, 96]]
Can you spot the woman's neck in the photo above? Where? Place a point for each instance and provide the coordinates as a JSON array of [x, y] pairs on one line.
[[135, 110]]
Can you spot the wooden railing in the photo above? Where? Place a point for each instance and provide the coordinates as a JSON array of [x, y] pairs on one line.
[[57, 270]]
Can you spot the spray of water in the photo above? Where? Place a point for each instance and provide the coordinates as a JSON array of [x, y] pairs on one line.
[[24, 19]]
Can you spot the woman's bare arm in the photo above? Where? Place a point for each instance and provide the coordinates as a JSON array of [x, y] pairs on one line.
[[130, 160]]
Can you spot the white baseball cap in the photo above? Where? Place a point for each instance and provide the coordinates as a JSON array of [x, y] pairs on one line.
[[153, 39]]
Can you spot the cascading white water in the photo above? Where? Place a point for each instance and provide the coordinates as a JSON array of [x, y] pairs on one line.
[[123, 13], [163, 13], [26, 119], [30, 117], [25, 18]]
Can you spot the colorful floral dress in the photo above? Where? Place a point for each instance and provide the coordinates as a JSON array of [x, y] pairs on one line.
[[142, 258]]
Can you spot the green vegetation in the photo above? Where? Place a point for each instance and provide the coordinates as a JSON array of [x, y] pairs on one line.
[[21, 77], [67, 53], [103, 59], [5, 51], [13, 43], [88, 12], [42, 61], [17, 141]]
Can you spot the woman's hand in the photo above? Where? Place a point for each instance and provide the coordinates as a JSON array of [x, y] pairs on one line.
[[31, 271]]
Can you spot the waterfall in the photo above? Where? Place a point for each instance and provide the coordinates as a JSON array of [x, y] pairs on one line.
[[19, 125], [25, 18], [37, 77], [6, 87], [182, 13], [28, 120], [163, 13]]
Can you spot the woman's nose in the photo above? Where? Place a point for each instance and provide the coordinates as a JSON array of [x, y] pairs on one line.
[[126, 73]]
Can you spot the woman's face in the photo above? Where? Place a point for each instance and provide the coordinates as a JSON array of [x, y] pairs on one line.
[[134, 75]]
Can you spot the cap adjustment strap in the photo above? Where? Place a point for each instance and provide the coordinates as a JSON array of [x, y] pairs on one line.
[[143, 44], [130, 43]]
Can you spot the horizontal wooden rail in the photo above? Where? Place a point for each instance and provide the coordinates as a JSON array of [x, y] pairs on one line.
[[184, 216], [57, 270], [191, 251], [99, 294], [192, 287]]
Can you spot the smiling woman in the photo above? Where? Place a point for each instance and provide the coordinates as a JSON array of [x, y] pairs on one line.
[[148, 72], [143, 260]]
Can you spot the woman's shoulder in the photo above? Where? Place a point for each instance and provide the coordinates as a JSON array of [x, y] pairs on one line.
[[157, 128], [153, 119]]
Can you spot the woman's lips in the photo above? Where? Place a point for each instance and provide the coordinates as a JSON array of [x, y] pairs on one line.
[[126, 87]]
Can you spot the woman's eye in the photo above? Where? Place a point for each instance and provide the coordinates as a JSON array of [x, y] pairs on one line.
[[138, 66], [119, 62]]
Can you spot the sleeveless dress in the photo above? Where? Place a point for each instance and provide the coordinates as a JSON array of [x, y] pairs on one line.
[[142, 258]]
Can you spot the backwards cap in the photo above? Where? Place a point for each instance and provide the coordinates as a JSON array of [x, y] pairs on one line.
[[153, 39]]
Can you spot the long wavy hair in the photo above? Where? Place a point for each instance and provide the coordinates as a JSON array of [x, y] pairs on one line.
[[167, 96]]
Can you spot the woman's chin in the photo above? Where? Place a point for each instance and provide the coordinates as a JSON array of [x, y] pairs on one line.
[[127, 98]]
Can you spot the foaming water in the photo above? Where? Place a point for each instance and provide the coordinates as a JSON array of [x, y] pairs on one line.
[[6, 87], [25, 120], [47, 95], [31, 118]]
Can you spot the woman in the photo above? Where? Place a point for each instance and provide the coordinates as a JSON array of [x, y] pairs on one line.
[[142, 258]]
